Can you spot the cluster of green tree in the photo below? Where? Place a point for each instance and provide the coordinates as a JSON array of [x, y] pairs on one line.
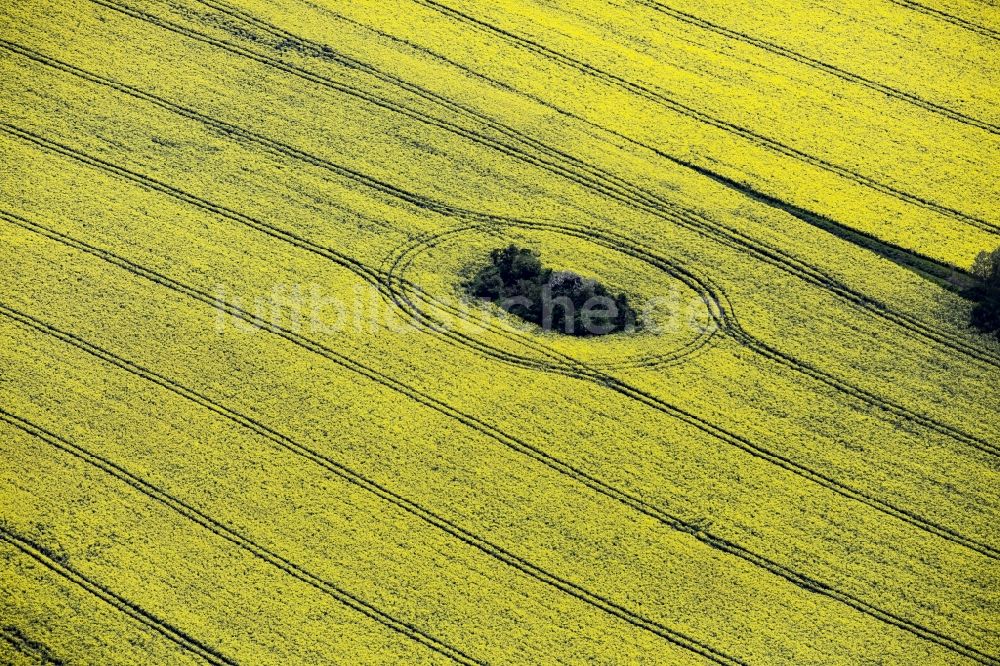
[[516, 280], [986, 292]]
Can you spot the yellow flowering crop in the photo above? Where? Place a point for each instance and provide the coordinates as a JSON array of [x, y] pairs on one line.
[[249, 414]]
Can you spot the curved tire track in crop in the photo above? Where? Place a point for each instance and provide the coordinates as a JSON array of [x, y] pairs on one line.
[[219, 529], [105, 594], [285, 151], [644, 397], [622, 190], [781, 51], [377, 279], [519, 446], [405, 293], [690, 112], [327, 463]]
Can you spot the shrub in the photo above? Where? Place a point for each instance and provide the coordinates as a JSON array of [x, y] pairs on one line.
[[516, 280], [986, 292]]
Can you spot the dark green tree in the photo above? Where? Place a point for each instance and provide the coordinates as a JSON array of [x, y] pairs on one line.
[[986, 292], [517, 281]]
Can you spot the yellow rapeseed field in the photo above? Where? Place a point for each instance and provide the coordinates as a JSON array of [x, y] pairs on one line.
[[250, 415]]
